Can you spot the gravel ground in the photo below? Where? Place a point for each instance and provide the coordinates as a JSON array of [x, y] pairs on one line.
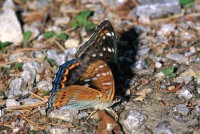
[[157, 83]]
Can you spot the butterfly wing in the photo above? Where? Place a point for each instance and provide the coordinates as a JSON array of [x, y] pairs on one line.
[[79, 97], [67, 74], [98, 75], [102, 45]]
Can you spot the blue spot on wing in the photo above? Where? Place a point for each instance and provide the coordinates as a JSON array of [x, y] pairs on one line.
[[57, 80]]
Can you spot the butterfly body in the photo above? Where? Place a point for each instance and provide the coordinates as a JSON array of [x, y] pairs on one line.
[[87, 81]]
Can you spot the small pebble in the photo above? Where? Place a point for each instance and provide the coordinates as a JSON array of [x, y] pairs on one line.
[[178, 58], [182, 109], [198, 90], [187, 79], [132, 120], [28, 75], [61, 21], [158, 65], [44, 85], [179, 80], [16, 57], [184, 93], [11, 102], [58, 130], [140, 64], [170, 88], [15, 87], [197, 110], [71, 43], [64, 114], [166, 29], [163, 128], [192, 49], [34, 65]]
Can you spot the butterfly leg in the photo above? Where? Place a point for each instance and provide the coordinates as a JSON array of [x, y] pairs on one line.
[[93, 112], [112, 113]]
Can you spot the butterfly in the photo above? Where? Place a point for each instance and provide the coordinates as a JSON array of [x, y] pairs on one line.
[[87, 81]]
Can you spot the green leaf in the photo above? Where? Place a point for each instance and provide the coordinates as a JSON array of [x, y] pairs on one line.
[[85, 14], [172, 75], [80, 20], [89, 25], [4, 44], [19, 65], [168, 71], [48, 34], [186, 3], [2, 95], [26, 37], [50, 60], [62, 36], [5, 69], [75, 25], [25, 1]]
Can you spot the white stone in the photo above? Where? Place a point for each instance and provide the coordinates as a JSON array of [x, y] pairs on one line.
[[158, 65], [10, 28], [71, 43]]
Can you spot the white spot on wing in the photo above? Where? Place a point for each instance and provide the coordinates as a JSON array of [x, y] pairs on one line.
[[104, 49], [94, 55], [101, 66], [104, 37], [109, 49], [104, 74], [112, 33], [113, 50], [98, 75], [100, 54], [106, 83], [86, 80], [108, 34], [94, 78]]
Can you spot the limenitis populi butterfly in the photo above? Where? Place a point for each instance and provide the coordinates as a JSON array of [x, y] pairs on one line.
[[87, 81]]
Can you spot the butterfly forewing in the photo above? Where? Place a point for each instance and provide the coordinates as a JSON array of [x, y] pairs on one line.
[[102, 45]]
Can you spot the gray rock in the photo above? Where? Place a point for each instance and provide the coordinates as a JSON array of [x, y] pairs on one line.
[[16, 56], [34, 65], [28, 75], [58, 130], [44, 85], [163, 128], [184, 93], [132, 120], [157, 8], [182, 109], [11, 102], [178, 58], [15, 87]]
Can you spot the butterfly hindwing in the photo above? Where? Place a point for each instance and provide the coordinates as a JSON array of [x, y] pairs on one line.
[[98, 75]]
